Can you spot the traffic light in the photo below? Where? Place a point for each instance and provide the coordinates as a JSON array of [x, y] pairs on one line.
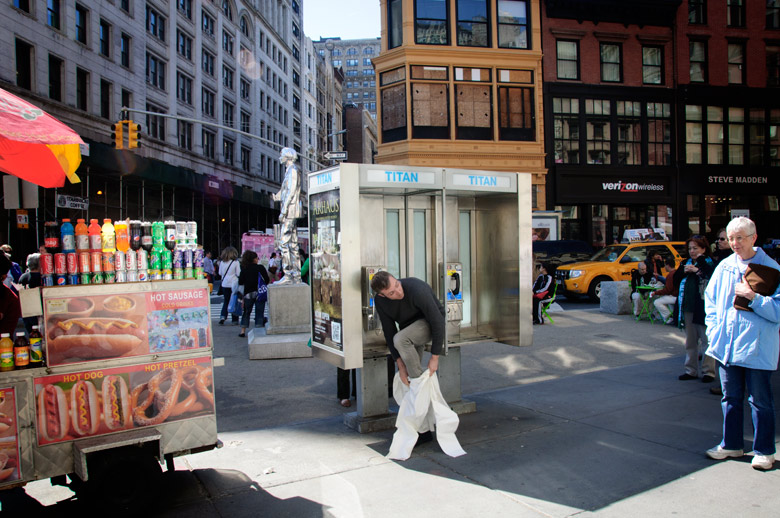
[[118, 135], [133, 136]]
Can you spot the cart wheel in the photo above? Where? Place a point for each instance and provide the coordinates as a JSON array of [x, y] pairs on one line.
[[124, 478]]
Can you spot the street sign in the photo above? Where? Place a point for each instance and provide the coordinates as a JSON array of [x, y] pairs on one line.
[[72, 202], [22, 219], [336, 155]]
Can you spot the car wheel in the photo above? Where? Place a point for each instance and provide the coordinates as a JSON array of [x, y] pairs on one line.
[[594, 291]]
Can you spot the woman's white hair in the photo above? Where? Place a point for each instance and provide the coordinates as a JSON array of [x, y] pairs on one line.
[[743, 224]]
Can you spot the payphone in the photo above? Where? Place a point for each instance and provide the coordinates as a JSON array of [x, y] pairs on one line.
[[370, 318]]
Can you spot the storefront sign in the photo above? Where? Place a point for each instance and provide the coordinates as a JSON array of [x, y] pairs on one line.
[[580, 188], [10, 470], [96, 402], [325, 260], [738, 179], [400, 177], [72, 202], [100, 327]]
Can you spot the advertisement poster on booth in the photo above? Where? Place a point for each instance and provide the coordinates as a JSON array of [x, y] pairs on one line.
[[325, 261], [96, 402], [9, 437]]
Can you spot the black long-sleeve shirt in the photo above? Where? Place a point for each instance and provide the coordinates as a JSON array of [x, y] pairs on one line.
[[419, 302], [248, 277]]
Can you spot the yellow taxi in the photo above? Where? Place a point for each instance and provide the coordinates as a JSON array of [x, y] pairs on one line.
[[612, 263]]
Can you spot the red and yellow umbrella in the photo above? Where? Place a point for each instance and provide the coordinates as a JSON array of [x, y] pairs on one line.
[[35, 146]]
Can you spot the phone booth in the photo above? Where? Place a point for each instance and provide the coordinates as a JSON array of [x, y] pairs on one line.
[[466, 233]]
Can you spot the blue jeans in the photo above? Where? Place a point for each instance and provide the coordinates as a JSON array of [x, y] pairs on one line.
[[259, 313], [734, 380]]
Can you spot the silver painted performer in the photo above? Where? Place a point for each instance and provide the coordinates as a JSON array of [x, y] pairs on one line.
[[291, 209]]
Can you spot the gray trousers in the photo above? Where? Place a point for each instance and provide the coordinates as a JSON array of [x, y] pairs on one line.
[[693, 334], [410, 344]]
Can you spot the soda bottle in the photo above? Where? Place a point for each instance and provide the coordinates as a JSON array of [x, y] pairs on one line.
[[36, 346], [95, 240], [6, 352], [146, 236], [122, 237], [21, 351], [108, 237], [82, 236], [68, 238], [170, 234], [192, 233], [135, 235], [51, 237]]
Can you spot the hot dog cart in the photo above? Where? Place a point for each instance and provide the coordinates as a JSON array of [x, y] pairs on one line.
[[127, 384]]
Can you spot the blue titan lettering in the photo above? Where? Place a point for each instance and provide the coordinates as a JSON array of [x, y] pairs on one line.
[[324, 178], [401, 177], [483, 180]]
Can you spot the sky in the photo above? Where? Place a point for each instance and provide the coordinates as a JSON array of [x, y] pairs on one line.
[[347, 19]]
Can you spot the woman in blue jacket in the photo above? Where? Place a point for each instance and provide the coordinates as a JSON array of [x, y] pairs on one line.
[[745, 345]]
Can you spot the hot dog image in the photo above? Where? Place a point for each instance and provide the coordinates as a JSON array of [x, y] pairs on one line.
[[93, 338], [116, 403], [52, 413], [5, 422], [84, 411], [7, 466]]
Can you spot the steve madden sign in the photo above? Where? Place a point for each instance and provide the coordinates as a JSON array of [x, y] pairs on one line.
[[738, 179], [621, 186]]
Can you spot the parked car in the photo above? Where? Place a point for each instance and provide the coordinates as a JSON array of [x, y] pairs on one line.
[[612, 263], [560, 252]]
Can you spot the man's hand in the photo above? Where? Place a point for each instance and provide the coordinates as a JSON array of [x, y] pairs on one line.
[[433, 364], [743, 289], [402, 372]]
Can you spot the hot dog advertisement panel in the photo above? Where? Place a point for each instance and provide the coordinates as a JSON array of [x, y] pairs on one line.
[[10, 469], [97, 402], [117, 324]]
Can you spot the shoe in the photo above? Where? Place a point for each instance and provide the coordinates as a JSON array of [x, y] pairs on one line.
[[222, 321], [686, 377], [424, 437], [762, 462], [242, 335], [345, 403], [719, 453], [707, 378], [716, 391]]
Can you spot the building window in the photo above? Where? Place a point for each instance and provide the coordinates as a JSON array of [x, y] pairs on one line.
[[209, 140], [53, 13], [697, 12], [516, 117], [568, 59], [394, 23], [105, 99], [127, 99], [208, 102], [714, 135], [22, 5], [611, 70], [24, 64], [227, 9], [155, 124], [736, 136], [105, 38], [124, 50], [296, 102], [184, 44], [736, 58], [629, 143], [155, 71], [227, 77], [693, 134], [652, 65], [296, 31], [228, 114], [352, 62], [245, 89], [773, 14], [183, 88], [659, 134], [246, 158], [757, 136], [55, 78], [336, 63], [184, 134], [125, 5], [473, 104], [296, 77], [155, 23], [566, 130], [228, 147], [227, 42], [513, 24], [697, 51], [208, 24], [366, 62], [430, 103], [598, 131], [431, 22], [244, 25], [82, 89], [81, 24], [185, 7], [473, 29], [735, 13], [246, 126], [207, 62], [773, 65], [393, 94]]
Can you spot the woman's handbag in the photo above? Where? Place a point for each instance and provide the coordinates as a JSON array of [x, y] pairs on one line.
[[234, 307], [761, 279], [262, 289]]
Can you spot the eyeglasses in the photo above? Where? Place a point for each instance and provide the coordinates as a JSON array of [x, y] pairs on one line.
[[739, 239], [722, 239]]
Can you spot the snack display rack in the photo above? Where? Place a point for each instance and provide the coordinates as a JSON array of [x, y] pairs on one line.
[[128, 369]]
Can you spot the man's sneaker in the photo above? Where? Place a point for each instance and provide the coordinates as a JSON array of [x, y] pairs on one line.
[[719, 453], [762, 461]]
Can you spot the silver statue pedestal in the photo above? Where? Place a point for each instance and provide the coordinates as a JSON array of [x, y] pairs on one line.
[[287, 333]]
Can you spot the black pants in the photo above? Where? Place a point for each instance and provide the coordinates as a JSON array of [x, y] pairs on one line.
[[537, 311], [343, 376]]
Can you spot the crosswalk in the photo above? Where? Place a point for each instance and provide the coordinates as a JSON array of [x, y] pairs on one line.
[[216, 309]]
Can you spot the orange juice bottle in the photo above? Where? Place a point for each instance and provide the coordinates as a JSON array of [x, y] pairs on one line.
[[6, 352], [122, 236], [82, 237]]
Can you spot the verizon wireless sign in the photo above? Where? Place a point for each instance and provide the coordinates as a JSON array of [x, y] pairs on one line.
[[579, 188], [621, 186]]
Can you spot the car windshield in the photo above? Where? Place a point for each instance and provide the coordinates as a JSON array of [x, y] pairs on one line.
[[608, 254]]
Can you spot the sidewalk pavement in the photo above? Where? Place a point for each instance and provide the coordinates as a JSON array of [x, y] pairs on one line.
[[589, 421]]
